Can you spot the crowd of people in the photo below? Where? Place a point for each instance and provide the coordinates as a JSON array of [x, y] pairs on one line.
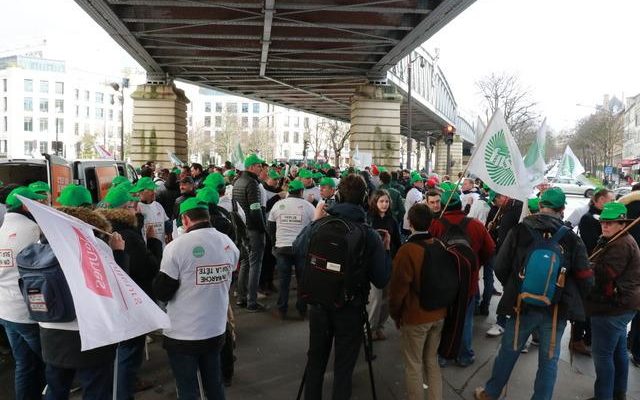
[[365, 247]]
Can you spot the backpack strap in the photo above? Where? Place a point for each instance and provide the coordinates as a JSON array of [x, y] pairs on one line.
[[559, 234]]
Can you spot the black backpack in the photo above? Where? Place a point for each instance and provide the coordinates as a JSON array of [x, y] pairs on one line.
[[334, 272], [240, 229], [457, 241], [440, 276], [43, 285], [221, 220]]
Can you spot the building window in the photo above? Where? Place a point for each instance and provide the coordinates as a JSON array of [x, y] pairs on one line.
[[99, 113], [28, 124], [99, 97], [218, 121], [87, 129], [110, 115], [286, 121], [57, 147], [245, 122], [4, 85], [87, 95], [77, 111], [232, 107], [256, 108], [218, 107], [296, 122], [44, 86], [44, 105], [5, 124], [285, 137], [59, 87], [44, 125], [256, 122], [112, 99], [4, 104], [59, 106], [28, 85], [76, 129], [30, 147], [59, 125], [28, 104], [245, 107], [296, 137], [207, 121], [86, 112], [76, 94], [306, 122], [3, 147], [286, 154], [207, 106], [44, 146]]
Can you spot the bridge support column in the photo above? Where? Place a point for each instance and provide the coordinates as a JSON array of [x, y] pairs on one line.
[[159, 124], [375, 124], [440, 152]]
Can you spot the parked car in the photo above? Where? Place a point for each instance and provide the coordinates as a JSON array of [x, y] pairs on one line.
[[621, 191], [574, 186]]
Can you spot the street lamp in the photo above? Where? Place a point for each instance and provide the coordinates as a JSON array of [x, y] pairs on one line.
[[120, 87], [409, 116]]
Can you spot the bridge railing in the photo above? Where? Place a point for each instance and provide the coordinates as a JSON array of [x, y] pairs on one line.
[[465, 130]]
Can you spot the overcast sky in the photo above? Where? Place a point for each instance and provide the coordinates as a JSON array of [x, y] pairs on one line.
[[567, 52]]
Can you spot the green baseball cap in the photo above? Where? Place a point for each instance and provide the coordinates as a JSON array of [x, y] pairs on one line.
[[13, 201], [208, 194], [614, 211], [119, 180], [214, 180], [326, 166], [252, 159], [305, 173], [415, 178], [534, 205], [328, 182], [273, 174], [448, 186], [230, 173], [492, 196], [176, 171], [382, 169], [192, 203], [318, 175], [553, 198], [295, 185], [39, 187], [117, 197], [144, 183], [449, 194], [75, 196]]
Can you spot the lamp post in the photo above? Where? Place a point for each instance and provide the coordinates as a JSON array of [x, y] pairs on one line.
[[120, 87], [409, 101]]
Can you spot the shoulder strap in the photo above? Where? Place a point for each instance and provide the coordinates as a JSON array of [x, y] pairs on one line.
[[559, 234]]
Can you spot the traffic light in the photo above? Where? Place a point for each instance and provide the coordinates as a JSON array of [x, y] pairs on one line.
[[448, 132]]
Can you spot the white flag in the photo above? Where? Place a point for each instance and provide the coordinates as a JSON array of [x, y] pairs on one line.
[[480, 128], [110, 307], [570, 166], [497, 161], [174, 159], [357, 162], [237, 158], [534, 159]]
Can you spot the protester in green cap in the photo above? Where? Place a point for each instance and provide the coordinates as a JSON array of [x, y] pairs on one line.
[[273, 192], [533, 205], [311, 191], [152, 211], [214, 180], [450, 198], [208, 194], [119, 197], [42, 188], [252, 159], [414, 195], [327, 189], [119, 180], [613, 301], [74, 195], [512, 267], [13, 203]]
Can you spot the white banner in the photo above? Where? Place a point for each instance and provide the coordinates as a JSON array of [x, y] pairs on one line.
[[570, 166], [497, 160], [110, 307], [534, 159]]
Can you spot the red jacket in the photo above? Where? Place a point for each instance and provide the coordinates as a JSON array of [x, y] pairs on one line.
[[481, 242]]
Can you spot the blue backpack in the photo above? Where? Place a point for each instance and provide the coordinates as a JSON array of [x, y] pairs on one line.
[[43, 285]]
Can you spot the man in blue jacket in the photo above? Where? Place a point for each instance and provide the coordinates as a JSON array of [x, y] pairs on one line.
[[344, 324]]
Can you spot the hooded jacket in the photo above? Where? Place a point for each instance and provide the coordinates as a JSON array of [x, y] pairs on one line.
[[246, 191], [589, 228], [144, 259], [512, 256], [397, 202]]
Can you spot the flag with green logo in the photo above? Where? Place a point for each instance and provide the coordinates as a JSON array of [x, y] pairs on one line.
[[237, 158], [534, 159], [570, 166], [497, 161]]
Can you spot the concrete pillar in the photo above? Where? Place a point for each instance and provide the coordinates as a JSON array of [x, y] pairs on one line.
[[159, 124], [375, 124], [440, 154]]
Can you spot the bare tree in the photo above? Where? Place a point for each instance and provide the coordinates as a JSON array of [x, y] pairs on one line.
[[200, 144], [598, 137], [316, 136], [259, 140], [337, 134], [505, 92], [227, 137]]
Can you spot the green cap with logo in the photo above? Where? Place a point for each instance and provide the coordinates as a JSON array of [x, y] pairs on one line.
[[252, 159], [553, 198], [119, 180], [40, 187], [117, 197], [448, 186], [13, 202], [295, 185], [318, 175], [534, 205], [208, 194], [614, 211], [328, 182], [273, 174], [75, 196], [144, 183], [230, 173], [192, 203], [492, 196], [214, 180], [305, 173], [450, 194], [415, 177]]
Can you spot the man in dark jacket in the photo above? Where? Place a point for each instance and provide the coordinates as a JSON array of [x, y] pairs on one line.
[[511, 257], [247, 192], [344, 324]]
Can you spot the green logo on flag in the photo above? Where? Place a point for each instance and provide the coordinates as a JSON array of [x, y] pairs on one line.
[[498, 160], [535, 151], [568, 166]]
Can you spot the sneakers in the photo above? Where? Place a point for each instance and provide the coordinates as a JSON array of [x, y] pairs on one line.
[[495, 331], [463, 363], [256, 308], [480, 394], [525, 349], [241, 304]]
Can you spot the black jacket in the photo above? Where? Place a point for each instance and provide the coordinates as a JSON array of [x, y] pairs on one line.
[[246, 191], [389, 224], [589, 228], [512, 256], [506, 218]]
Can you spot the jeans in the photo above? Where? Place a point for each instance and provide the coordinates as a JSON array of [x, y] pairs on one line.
[[185, 369], [487, 279], [419, 345], [466, 356], [634, 337], [129, 358], [96, 382], [345, 327], [530, 321], [24, 340], [609, 351], [284, 263], [250, 274]]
